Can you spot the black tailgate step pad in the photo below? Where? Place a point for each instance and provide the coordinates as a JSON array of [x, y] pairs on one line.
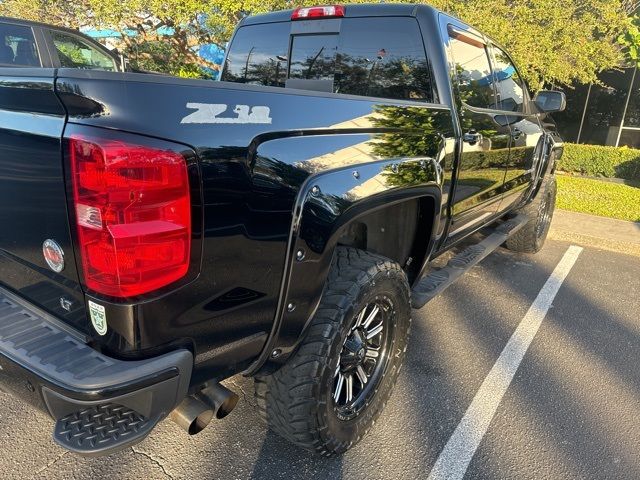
[[99, 428], [437, 281], [100, 404]]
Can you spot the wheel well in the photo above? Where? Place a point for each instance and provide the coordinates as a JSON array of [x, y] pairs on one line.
[[401, 232]]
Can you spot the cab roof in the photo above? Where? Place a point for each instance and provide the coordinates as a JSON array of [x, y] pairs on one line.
[[351, 11]]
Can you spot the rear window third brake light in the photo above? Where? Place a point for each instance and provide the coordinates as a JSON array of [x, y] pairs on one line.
[[312, 13], [133, 215]]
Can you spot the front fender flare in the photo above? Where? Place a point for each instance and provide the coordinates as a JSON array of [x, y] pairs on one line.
[[552, 151]]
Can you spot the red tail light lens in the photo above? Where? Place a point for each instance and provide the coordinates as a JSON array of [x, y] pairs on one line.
[[312, 13], [133, 215]]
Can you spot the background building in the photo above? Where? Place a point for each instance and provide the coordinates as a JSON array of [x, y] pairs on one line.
[[606, 114]]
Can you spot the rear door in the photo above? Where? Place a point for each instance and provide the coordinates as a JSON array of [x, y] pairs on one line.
[[32, 186], [485, 135]]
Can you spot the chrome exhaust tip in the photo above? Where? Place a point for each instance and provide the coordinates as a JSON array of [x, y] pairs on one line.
[[219, 398], [192, 415], [196, 411]]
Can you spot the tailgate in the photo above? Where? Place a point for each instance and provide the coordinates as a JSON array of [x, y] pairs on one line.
[[33, 206]]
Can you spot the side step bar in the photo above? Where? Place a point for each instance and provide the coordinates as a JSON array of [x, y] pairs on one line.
[[437, 281]]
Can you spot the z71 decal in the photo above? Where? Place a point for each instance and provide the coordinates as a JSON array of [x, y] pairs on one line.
[[208, 113]]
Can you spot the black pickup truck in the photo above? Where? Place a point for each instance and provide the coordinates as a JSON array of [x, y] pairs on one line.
[[159, 235]]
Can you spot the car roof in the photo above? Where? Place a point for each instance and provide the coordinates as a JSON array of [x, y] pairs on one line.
[[30, 23]]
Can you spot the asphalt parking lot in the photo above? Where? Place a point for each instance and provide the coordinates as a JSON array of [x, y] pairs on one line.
[[572, 409]]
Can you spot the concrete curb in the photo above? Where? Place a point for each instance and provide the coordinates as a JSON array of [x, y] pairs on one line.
[[593, 231]]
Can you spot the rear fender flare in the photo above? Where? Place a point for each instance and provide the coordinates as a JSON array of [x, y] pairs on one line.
[[326, 203]]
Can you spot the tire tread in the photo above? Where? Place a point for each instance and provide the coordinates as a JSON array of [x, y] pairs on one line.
[[525, 240], [288, 399]]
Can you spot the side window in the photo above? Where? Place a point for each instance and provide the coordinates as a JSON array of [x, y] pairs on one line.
[[509, 85], [472, 69], [258, 55], [17, 46], [75, 53], [383, 57]]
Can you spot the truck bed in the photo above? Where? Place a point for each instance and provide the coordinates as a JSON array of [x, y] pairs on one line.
[[249, 172]]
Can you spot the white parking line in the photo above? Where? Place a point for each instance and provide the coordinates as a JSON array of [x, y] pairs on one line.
[[459, 450]]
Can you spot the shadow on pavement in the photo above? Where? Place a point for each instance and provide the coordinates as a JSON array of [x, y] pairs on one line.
[[578, 383]]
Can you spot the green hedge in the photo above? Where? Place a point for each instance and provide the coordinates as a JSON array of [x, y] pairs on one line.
[[599, 161]]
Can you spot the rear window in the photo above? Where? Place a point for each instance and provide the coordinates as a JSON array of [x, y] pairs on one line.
[[313, 57], [258, 55], [376, 57], [17, 46]]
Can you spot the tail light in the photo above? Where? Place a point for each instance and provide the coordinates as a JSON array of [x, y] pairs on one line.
[[133, 215], [313, 13]]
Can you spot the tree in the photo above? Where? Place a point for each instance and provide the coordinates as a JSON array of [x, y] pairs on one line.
[[630, 40], [552, 41], [158, 34]]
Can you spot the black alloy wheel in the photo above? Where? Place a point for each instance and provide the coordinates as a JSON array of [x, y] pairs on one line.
[[363, 357]]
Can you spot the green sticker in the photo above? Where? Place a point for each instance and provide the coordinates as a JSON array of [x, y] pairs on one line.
[[98, 317]]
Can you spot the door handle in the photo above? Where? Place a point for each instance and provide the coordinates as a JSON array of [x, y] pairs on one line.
[[472, 137]]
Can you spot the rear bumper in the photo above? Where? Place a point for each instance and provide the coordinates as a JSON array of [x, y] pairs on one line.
[[52, 367]]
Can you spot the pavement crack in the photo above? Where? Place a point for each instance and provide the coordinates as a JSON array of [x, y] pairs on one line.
[[154, 460], [49, 464], [247, 398]]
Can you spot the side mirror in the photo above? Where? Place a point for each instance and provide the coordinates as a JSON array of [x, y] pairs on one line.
[[550, 101]]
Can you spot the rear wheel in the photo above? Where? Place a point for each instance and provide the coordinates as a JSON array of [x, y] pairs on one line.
[[331, 391], [531, 237]]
